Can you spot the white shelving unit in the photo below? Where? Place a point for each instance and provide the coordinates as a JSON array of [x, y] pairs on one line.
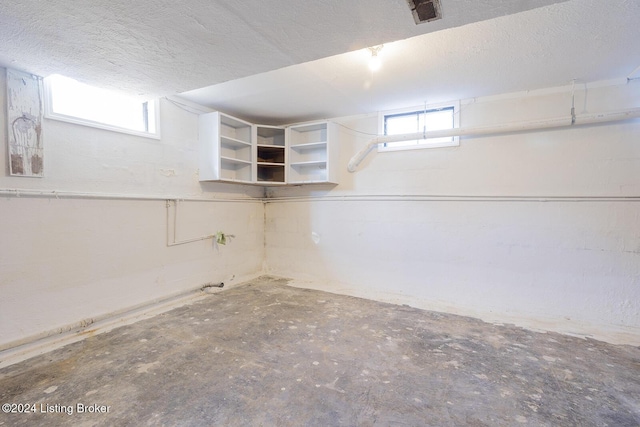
[[270, 155], [312, 157], [233, 150], [226, 149]]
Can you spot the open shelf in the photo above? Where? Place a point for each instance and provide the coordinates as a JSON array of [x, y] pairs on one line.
[[234, 150], [270, 136], [309, 146], [226, 148], [270, 154], [235, 171], [310, 163], [235, 129], [311, 158], [231, 160], [270, 172], [242, 153], [313, 154], [233, 143], [308, 134], [308, 172]]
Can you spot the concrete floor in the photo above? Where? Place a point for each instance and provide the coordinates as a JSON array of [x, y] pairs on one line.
[[266, 354]]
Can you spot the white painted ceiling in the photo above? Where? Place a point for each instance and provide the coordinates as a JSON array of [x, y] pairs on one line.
[[281, 61]]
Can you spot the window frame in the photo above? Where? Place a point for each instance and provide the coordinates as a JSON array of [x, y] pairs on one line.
[[422, 144], [50, 114]]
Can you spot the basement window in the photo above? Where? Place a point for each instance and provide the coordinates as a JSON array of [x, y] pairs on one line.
[[71, 101], [414, 120]]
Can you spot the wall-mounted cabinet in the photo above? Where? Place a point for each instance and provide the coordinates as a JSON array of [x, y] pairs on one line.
[[312, 155], [271, 155], [226, 148], [234, 150]]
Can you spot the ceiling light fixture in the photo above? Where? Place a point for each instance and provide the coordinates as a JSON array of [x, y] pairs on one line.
[[374, 61]]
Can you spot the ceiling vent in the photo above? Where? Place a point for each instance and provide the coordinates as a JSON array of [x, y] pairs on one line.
[[425, 10]]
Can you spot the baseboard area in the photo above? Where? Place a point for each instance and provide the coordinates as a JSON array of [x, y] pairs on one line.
[[46, 342], [612, 334], [51, 340]]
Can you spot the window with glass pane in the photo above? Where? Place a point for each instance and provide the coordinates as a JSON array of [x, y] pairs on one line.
[[420, 121], [70, 100]]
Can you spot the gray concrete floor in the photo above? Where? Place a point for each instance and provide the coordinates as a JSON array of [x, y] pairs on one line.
[[266, 354]]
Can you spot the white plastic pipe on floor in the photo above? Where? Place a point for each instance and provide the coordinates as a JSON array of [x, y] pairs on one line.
[[561, 122]]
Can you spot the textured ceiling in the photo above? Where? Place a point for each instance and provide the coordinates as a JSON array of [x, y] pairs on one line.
[[281, 61], [546, 47], [160, 47]]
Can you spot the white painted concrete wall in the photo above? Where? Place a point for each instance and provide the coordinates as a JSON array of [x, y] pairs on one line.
[[66, 260], [566, 266], [558, 265]]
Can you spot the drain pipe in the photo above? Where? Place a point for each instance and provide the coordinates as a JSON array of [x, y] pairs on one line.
[[212, 285], [561, 122]]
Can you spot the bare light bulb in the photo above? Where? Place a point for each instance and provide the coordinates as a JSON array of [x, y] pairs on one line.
[[374, 62]]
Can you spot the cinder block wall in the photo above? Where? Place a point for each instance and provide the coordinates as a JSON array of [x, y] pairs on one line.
[[65, 260], [495, 244]]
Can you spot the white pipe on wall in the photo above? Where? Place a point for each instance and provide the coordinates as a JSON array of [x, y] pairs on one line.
[[635, 74], [556, 123], [450, 198], [27, 192], [175, 242]]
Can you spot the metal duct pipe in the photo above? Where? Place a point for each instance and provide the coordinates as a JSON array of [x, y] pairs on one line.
[[556, 123]]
